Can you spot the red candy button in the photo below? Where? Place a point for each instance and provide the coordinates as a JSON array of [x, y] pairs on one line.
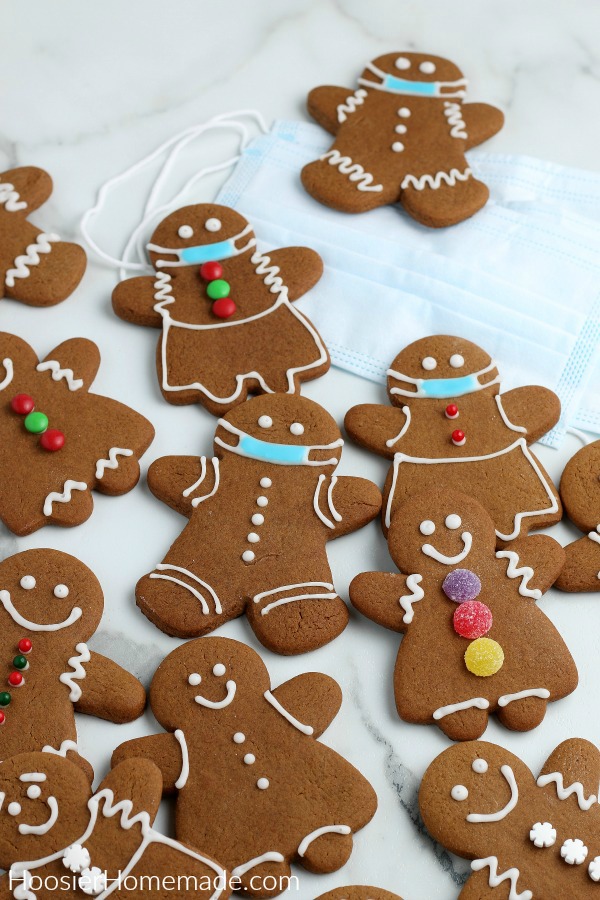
[[472, 619], [52, 440], [211, 270], [452, 411], [25, 645], [15, 679], [2, 717], [22, 404], [223, 308], [458, 438]]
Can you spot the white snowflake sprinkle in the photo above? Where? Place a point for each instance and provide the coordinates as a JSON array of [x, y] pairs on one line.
[[92, 881], [574, 851], [76, 858], [542, 834]]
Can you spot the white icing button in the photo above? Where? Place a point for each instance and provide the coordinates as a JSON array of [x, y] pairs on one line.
[[404, 112], [61, 591], [258, 519], [247, 555], [542, 834], [397, 147], [34, 791], [573, 851], [265, 482], [456, 360], [453, 521], [262, 501], [428, 68], [402, 63], [296, 428], [213, 225], [219, 670], [194, 679], [28, 582], [14, 808], [253, 538], [265, 421], [427, 527], [429, 363], [400, 129], [480, 766], [459, 792], [262, 783], [186, 231], [239, 738], [249, 759]]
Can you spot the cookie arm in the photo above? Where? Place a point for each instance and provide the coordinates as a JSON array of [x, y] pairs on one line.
[[138, 781], [109, 692], [134, 300], [577, 761], [349, 504], [386, 598], [74, 362], [377, 428], [164, 750], [482, 120], [313, 699], [538, 552], [322, 104], [533, 407], [300, 268], [183, 482], [33, 186]]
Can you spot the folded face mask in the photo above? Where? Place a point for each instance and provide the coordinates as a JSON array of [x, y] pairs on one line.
[[521, 278]]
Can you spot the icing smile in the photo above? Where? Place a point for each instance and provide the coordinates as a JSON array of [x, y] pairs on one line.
[[36, 626], [502, 813], [467, 540], [218, 704], [24, 828]]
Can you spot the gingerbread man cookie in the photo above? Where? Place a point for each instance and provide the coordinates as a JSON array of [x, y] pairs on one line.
[[450, 425], [239, 754], [580, 493], [53, 832], [401, 137], [359, 892], [50, 604], [261, 512], [475, 641], [57, 440], [528, 837], [36, 267], [229, 324]]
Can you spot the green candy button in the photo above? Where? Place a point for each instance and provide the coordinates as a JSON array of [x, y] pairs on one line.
[[36, 422], [4, 698], [218, 289], [19, 662]]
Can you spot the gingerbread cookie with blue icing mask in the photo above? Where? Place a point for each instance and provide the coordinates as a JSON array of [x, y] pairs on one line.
[[238, 753], [475, 641], [50, 605], [260, 514], [229, 323], [527, 837], [580, 493], [450, 425], [401, 137], [55, 831], [36, 267], [58, 441]]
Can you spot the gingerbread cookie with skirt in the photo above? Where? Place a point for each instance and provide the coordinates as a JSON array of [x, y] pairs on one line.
[[580, 493]]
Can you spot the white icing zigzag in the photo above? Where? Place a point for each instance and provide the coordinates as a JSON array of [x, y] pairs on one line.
[[511, 875], [10, 198], [417, 593], [8, 365], [65, 497], [563, 792], [111, 462], [525, 573], [78, 671], [452, 111], [435, 181], [354, 171], [57, 373], [31, 257], [349, 105], [163, 291], [271, 273]]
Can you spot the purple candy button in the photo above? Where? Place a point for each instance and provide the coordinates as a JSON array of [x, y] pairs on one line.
[[461, 585]]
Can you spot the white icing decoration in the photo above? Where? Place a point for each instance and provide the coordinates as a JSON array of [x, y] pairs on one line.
[[417, 593], [262, 784], [404, 112], [253, 538], [34, 791], [325, 829], [574, 851], [505, 419], [249, 759], [402, 63], [397, 146], [427, 527], [306, 448], [479, 702], [45, 827], [453, 113], [270, 856], [190, 490], [31, 257], [563, 792], [525, 573], [28, 582], [93, 881], [392, 441], [65, 497], [111, 462], [61, 591], [51, 365], [456, 361], [467, 540], [76, 858], [346, 108], [265, 482], [520, 695], [429, 363], [288, 587], [511, 875], [163, 291], [32, 776], [439, 88], [305, 729], [297, 428], [473, 383], [194, 679], [355, 172], [435, 181], [460, 443], [258, 519], [218, 704], [35, 626], [248, 555], [400, 129], [78, 671], [185, 759], [265, 421], [453, 521], [185, 231], [502, 813], [8, 366], [64, 748], [427, 67], [334, 513], [13, 809], [10, 199], [219, 670], [262, 501], [213, 224], [480, 766], [239, 738], [162, 567], [459, 792], [542, 834]]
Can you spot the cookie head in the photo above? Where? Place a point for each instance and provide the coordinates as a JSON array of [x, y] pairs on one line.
[[438, 531], [444, 77], [199, 234], [282, 429], [49, 595], [440, 367]]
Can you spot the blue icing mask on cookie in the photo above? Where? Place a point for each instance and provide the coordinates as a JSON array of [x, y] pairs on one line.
[[270, 452], [404, 86], [442, 388]]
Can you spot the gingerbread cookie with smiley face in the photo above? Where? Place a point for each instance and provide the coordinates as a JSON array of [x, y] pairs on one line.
[[226, 310], [450, 425], [401, 137], [580, 493], [475, 641], [529, 837]]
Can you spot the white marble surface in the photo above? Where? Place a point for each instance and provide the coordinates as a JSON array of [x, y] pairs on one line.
[[85, 90]]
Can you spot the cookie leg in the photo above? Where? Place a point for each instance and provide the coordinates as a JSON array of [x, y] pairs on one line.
[[327, 853], [581, 571], [523, 715], [446, 204], [465, 725], [342, 183], [265, 880]]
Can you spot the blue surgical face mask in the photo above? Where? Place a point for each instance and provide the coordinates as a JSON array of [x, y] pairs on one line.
[[202, 253], [443, 388], [280, 454], [396, 85]]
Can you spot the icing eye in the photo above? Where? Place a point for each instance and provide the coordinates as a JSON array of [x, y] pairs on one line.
[[459, 792], [456, 360], [219, 670], [402, 63], [480, 766], [427, 68], [265, 421], [427, 527], [34, 791], [14, 809], [61, 591], [453, 521], [429, 363], [213, 224], [296, 428], [28, 582], [194, 679], [186, 231]]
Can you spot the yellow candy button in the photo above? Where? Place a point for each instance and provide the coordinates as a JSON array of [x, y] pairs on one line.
[[484, 657]]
